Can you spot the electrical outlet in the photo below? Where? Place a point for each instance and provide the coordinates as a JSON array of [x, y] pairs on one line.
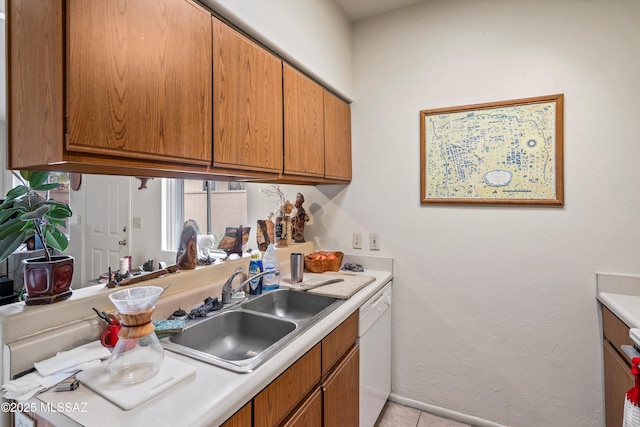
[[137, 222], [23, 420], [357, 241], [374, 242]]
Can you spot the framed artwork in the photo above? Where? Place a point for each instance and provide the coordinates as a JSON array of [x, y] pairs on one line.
[[498, 153]]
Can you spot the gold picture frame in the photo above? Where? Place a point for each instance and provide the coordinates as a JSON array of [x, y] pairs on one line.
[[497, 153]]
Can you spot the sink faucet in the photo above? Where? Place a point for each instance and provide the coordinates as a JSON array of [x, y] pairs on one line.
[[227, 289]]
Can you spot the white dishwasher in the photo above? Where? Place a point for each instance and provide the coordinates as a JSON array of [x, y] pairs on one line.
[[374, 332]]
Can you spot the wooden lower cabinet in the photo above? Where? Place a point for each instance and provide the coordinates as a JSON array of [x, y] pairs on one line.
[[617, 367], [242, 418], [309, 414], [336, 344], [617, 380], [322, 388], [276, 401], [340, 392]]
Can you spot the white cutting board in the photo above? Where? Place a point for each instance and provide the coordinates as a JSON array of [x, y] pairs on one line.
[[128, 396], [349, 284]]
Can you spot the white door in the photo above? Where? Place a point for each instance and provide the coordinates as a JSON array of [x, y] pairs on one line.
[[107, 228]]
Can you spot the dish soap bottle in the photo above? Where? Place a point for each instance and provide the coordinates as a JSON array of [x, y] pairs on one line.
[[255, 267], [270, 262]]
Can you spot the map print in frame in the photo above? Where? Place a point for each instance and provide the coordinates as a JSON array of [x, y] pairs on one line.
[[500, 153]]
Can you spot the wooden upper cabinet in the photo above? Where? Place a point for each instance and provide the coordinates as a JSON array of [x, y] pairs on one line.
[[247, 99], [304, 124], [139, 79], [35, 82], [337, 138]]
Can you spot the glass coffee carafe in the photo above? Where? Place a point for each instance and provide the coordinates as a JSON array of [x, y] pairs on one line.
[[138, 355]]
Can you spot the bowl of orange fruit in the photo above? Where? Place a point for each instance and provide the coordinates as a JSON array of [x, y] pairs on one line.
[[321, 261]]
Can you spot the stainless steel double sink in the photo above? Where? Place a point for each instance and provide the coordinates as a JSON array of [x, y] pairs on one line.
[[242, 337]]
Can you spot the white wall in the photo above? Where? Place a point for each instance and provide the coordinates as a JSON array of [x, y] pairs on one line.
[[494, 309]]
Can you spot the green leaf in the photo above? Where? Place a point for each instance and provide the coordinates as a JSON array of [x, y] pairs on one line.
[[6, 213], [46, 187], [37, 178], [59, 210], [10, 227], [7, 204], [16, 192], [36, 214], [9, 245], [56, 239]]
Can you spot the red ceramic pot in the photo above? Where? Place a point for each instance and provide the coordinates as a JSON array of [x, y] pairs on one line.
[[48, 281]]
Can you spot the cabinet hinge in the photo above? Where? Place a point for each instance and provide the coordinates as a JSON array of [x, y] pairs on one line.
[[66, 125]]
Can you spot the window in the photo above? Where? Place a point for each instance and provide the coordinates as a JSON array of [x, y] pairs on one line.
[[223, 204]]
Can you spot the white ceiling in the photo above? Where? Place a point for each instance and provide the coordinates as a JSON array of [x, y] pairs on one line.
[[357, 10]]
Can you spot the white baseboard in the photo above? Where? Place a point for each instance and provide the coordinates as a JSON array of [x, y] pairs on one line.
[[443, 412]]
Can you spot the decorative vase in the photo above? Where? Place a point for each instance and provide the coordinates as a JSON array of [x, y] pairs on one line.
[[47, 282]]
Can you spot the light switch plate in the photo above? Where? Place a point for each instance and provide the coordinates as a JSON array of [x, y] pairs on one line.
[[374, 242], [357, 241], [137, 222]]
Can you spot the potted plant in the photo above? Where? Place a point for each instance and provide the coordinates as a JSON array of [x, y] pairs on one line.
[[25, 214]]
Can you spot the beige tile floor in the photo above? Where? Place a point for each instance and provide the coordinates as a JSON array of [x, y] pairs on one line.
[[395, 415]]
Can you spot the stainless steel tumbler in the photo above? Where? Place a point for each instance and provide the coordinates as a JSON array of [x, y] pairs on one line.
[[297, 267]]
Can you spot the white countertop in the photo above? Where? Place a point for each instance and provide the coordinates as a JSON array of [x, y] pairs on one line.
[[209, 398], [620, 293]]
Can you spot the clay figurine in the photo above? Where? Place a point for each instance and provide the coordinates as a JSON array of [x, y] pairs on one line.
[[299, 219], [187, 254]]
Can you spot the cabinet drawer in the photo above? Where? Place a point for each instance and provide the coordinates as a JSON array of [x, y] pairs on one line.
[[273, 403], [615, 331], [336, 344]]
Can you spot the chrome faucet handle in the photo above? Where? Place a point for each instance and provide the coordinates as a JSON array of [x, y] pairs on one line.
[[227, 289]]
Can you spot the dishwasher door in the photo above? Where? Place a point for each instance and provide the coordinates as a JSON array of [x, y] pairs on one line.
[[374, 330]]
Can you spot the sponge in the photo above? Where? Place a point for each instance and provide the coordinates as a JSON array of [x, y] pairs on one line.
[[164, 328]]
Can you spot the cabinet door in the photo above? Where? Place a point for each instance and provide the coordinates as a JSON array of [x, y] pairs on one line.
[[303, 124], [242, 418], [277, 400], [337, 138], [247, 94], [617, 380], [35, 82], [139, 79], [309, 414], [341, 392]]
